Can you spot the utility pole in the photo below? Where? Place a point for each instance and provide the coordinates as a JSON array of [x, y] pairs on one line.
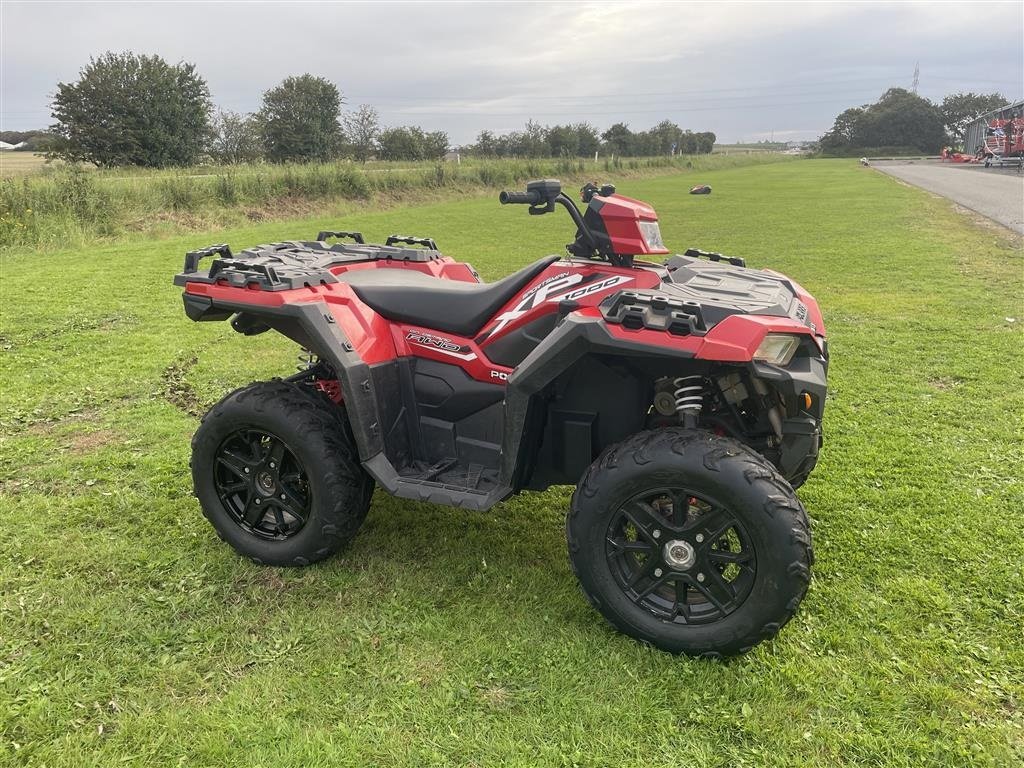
[[917, 75]]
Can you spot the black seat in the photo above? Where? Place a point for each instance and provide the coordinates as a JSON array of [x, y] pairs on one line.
[[408, 296]]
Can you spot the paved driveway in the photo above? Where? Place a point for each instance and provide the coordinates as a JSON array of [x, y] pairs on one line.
[[995, 193]]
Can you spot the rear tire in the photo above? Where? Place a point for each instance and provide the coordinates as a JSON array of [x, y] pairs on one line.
[[691, 542], [277, 473]]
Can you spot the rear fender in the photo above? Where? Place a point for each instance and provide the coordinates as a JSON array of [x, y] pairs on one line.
[[326, 321]]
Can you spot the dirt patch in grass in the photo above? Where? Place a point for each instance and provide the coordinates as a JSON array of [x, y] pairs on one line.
[[178, 391], [74, 325], [260, 582], [86, 442], [945, 383], [48, 424], [496, 696]]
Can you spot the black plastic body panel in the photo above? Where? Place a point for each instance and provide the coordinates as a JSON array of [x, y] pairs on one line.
[[582, 418], [512, 348], [440, 426], [718, 289], [575, 340], [801, 434]]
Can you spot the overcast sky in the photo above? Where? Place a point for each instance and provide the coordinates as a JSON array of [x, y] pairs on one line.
[[746, 71]]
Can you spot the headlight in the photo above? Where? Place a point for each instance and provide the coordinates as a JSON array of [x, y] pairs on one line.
[[777, 348], [651, 234]]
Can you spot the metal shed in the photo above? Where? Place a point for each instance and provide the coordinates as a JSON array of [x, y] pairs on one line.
[[975, 133]]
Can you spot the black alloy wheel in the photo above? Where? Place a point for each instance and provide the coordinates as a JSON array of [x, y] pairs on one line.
[[689, 541], [276, 470], [680, 556], [262, 484]]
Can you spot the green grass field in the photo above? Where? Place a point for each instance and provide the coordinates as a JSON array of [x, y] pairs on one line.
[[130, 635]]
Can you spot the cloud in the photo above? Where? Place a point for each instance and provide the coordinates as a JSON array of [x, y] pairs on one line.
[[739, 69]]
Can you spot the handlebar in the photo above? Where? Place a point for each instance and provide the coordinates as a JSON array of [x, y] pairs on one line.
[[543, 195], [524, 198]]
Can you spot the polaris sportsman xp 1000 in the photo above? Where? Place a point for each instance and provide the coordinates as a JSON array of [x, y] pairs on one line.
[[682, 399]]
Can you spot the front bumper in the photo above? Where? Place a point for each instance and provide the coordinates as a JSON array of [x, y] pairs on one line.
[[802, 435]]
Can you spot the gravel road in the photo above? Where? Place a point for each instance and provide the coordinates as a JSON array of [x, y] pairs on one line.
[[995, 193]]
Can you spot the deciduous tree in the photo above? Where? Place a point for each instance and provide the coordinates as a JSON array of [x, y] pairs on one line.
[[435, 145], [898, 119], [299, 120], [401, 143], [127, 109], [361, 129], [960, 109], [236, 138], [619, 139]]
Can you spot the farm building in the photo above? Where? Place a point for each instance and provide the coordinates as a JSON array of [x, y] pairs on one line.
[[990, 130]]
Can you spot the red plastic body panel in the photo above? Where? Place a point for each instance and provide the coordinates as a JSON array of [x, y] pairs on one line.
[[622, 216], [376, 339], [446, 348], [813, 310], [585, 284]]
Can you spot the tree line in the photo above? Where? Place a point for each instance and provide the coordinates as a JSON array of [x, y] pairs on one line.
[[35, 141], [901, 119], [583, 140], [128, 109]]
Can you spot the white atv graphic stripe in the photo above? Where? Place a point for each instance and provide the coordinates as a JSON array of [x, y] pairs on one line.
[[551, 290], [537, 296], [440, 344], [597, 287]]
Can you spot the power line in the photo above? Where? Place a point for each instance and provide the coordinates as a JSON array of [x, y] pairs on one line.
[[523, 103], [754, 90], [577, 100], [625, 112]]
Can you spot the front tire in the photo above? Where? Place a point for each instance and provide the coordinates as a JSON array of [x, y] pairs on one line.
[[277, 473], [689, 541]]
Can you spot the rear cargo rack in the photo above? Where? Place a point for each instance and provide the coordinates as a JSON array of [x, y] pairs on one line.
[[328, 233], [192, 258], [294, 264]]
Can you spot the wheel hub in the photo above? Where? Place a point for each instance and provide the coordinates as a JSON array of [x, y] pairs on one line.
[[679, 555], [265, 483]]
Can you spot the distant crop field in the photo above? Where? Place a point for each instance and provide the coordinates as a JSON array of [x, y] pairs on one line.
[[13, 164], [725, 149]]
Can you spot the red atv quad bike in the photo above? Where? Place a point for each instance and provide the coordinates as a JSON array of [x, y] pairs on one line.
[[683, 400]]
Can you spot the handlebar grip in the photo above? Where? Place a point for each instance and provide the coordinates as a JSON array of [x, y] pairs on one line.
[[525, 198]]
